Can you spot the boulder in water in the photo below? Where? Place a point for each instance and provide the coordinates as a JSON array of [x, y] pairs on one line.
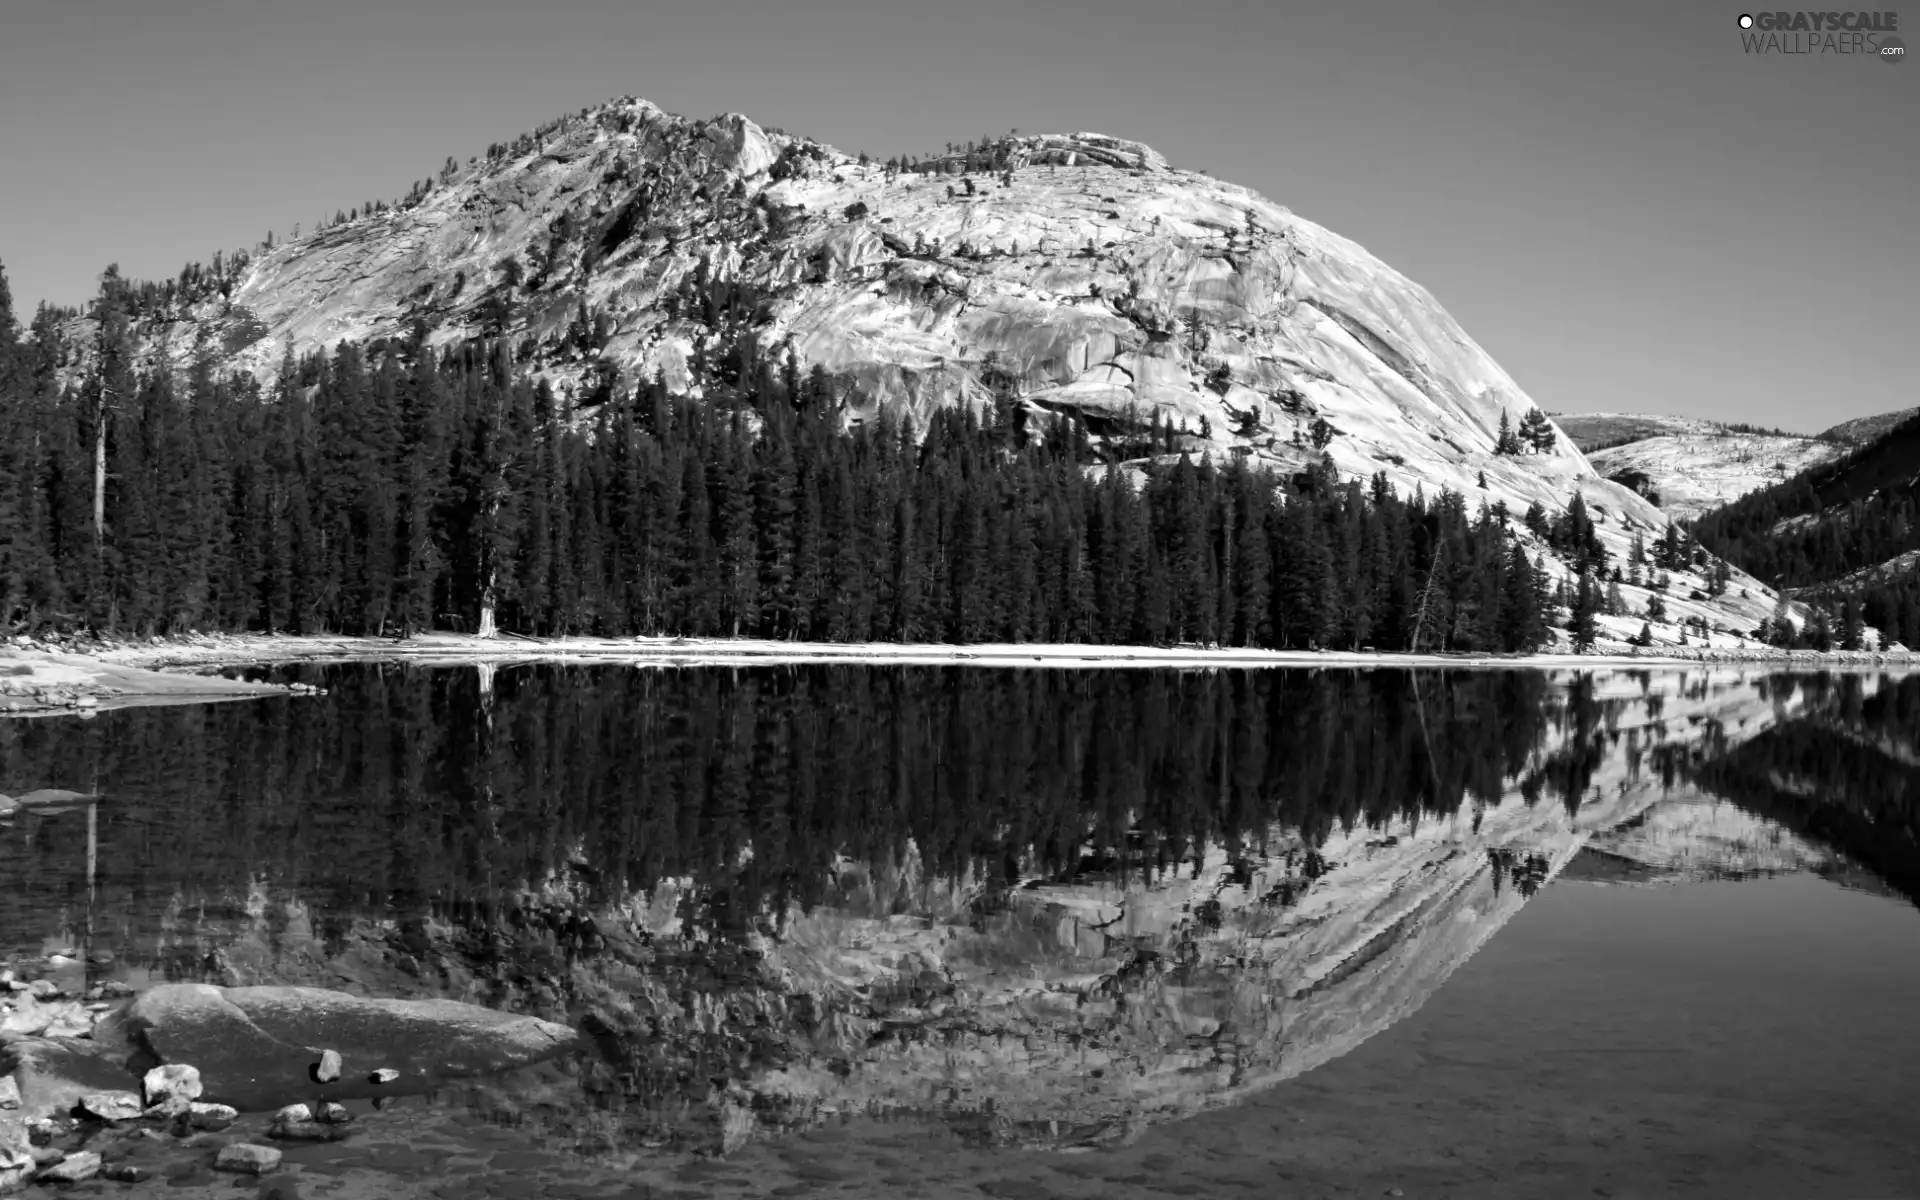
[[77, 1167], [328, 1068], [247, 1159], [211, 1117], [111, 1106], [173, 1081]]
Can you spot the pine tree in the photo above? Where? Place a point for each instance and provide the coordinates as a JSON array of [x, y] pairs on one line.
[[1505, 442], [1585, 606]]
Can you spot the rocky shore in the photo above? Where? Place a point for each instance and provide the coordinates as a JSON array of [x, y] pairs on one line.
[[182, 1084]]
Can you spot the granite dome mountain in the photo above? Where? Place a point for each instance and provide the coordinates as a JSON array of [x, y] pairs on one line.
[[1074, 273]]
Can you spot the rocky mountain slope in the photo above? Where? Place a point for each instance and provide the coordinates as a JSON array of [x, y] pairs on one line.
[[1079, 273]]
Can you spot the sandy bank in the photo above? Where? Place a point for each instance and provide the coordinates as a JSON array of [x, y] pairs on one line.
[[36, 682]]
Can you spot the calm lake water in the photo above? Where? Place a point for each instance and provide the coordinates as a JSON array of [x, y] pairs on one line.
[[964, 931]]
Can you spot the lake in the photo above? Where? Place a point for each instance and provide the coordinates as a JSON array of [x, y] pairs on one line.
[[966, 931]]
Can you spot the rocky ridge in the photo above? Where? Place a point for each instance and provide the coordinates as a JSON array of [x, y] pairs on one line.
[[1085, 275]]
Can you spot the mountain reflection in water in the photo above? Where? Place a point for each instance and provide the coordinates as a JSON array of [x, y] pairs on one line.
[[1046, 906]]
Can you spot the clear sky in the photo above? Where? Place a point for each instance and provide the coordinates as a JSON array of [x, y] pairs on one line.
[[1622, 206]]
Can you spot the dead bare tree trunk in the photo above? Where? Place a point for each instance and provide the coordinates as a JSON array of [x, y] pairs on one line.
[[490, 581], [1426, 593], [100, 475]]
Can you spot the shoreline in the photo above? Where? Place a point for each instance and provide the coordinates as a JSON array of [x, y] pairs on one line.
[[39, 682], [186, 654]]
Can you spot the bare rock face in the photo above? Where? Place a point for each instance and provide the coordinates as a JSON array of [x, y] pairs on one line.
[[255, 1046], [1080, 273]]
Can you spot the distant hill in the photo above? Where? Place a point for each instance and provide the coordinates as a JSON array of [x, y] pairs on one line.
[[1848, 529], [1689, 465], [1600, 431], [1861, 430], [1688, 475]]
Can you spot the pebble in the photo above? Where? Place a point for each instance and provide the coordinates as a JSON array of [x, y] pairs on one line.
[[383, 1075]]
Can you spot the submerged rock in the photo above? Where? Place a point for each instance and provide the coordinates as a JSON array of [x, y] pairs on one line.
[[125, 1173], [254, 1045], [53, 1075], [74, 1168], [306, 1131], [16, 1167], [331, 1113], [211, 1118], [247, 1159]]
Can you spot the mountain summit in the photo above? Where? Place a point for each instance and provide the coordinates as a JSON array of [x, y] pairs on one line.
[[1074, 273]]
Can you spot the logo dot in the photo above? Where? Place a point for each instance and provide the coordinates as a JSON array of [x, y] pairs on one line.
[[1892, 49], [1746, 20]]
